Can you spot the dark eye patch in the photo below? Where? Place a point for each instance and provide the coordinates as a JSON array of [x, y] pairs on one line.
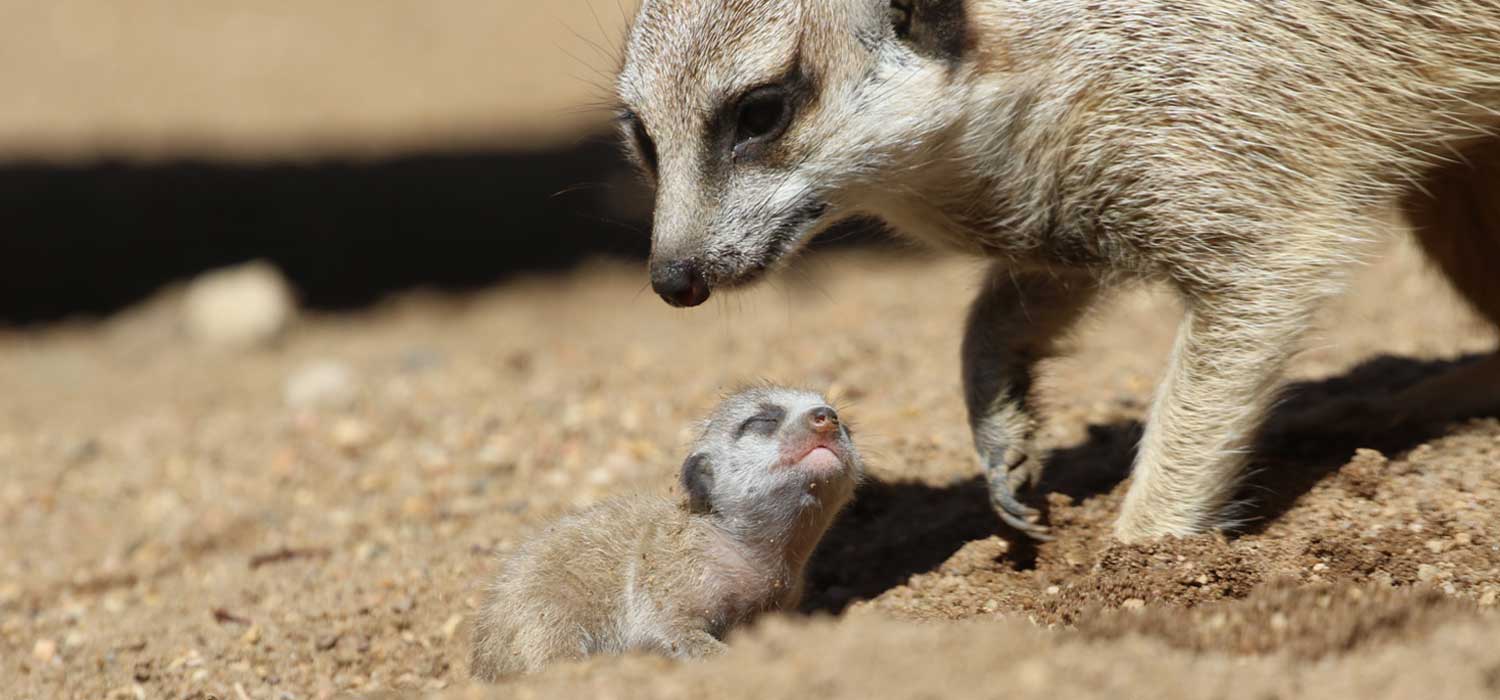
[[748, 126], [764, 422], [645, 146], [764, 114]]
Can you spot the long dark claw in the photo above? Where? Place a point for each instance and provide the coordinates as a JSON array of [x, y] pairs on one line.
[[1040, 533], [1016, 514]]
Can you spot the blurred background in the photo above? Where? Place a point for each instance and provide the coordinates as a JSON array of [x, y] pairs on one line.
[[361, 148]]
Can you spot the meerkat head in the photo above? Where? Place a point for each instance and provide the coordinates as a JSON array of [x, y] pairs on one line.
[[762, 122], [771, 456]]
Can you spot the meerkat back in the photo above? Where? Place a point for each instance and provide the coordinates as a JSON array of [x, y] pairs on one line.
[[562, 594]]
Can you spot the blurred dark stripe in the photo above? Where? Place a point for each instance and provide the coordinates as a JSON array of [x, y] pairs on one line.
[[92, 239]]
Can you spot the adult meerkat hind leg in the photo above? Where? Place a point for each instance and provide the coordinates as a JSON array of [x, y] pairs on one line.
[[1221, 382], [1240, 329]]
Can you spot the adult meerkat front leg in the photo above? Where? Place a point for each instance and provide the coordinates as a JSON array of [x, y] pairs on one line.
[[1013, 324], [1224, 370]]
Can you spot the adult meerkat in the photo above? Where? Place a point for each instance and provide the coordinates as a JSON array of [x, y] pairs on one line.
[[767, 475], [1238, 150]]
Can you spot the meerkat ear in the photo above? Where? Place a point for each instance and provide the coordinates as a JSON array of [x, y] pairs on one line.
[[937, 29], [899, 15], [698, 483]]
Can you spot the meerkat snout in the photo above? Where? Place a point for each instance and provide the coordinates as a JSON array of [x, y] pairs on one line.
[[823, 419], [818, 443], [679, 283], [768, 473]]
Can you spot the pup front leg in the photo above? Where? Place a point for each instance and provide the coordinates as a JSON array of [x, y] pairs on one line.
[[695, 644], [1013, 324], [1222, 378]]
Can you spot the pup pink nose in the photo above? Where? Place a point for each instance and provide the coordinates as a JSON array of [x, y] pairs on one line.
[[823, 420]]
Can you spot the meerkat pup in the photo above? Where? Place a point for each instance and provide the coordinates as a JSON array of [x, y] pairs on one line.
[[767, 475], [1236, 150]]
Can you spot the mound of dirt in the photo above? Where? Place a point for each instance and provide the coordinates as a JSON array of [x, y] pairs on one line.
[[881, 658]]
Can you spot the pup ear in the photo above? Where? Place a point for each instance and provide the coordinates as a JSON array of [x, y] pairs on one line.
[[937, 29], [698, 483]]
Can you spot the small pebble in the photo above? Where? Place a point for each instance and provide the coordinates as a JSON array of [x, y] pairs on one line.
[[450, 628], [368, 550], [1134, 604], [324, 384], [351, 434], [44, 650], [244, 307], [416, 507]]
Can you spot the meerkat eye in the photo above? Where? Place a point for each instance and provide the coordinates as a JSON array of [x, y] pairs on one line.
[[899, 15], [763, 115], [643, 143], [763, 423]]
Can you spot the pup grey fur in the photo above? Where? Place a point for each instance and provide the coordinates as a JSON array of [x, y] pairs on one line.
[[768, 474], [1237, 150]]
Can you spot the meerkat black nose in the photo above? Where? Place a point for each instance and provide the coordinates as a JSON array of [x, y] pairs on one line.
[[680, 283], [823, 420]]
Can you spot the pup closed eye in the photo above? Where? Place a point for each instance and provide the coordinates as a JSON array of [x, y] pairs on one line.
[[764, 423]]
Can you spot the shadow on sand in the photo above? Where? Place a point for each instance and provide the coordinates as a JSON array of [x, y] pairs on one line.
[[896, 529], [891, 531]]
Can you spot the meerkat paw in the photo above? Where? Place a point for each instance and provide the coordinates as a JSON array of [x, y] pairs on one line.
[[1141, 522], [1014, 472], [697, 645], [1135, 530]]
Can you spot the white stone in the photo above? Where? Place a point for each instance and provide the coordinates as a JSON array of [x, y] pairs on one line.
[[1427, 572], [324, 384], [246, 306]]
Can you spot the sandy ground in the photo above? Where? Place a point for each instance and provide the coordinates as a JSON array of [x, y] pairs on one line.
[[173, 529]]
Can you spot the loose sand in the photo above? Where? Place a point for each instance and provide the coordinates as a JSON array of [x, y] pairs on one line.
[[171, 528]]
